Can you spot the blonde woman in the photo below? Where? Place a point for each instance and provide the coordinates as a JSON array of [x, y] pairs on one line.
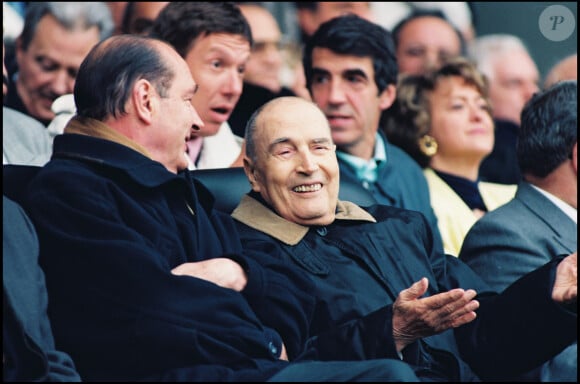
[[443, 120]]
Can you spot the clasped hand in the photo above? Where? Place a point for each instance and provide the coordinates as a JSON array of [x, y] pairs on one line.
[[221, 271]]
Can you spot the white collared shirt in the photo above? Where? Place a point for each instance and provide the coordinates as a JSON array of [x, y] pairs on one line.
[[570, 211]]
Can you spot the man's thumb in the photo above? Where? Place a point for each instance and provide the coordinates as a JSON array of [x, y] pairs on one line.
[[416, 290]]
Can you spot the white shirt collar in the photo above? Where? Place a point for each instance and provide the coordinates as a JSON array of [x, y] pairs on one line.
[[565, 207]]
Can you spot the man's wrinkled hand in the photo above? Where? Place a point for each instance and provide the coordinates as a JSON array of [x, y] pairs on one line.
[[221, 271], [565, 289], [415, 318]]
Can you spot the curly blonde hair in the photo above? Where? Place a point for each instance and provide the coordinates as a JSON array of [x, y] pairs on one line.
[[409, 119]]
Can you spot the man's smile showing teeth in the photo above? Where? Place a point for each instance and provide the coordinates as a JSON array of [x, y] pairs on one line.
[[308, 188]]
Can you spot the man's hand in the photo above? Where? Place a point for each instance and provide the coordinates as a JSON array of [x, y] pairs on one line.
[[565, 289], [283, 354], [415, 318], [221, 271]]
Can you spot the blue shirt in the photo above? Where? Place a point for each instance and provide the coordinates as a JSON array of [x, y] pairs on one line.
[[367, 170]]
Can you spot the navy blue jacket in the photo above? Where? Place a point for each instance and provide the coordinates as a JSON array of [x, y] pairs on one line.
[[361, 262], [112, 224]]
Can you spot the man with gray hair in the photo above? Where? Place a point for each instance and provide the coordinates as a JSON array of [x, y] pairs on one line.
[[55, 39], [513, 79]]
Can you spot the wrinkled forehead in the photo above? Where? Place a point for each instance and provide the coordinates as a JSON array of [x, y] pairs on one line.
[[299, 120]]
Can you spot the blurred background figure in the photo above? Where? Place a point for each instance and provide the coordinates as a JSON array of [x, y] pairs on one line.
[[310, 14], [24, 139], [565, 69], [138, 16], [424, 40], [513, 78], [263, 74], [117, 9], [54, 41], [512, 73], [443, 120], [459, 13]]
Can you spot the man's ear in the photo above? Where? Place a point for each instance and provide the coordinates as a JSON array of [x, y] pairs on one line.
[[145, 100], [387, 97], [249, 169]]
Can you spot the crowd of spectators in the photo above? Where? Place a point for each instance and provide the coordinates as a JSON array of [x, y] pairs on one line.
[[118, 266]]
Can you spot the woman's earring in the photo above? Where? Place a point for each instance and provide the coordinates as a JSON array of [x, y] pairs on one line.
[[428, 145]]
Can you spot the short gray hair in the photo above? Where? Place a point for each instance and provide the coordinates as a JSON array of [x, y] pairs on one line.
[[486, 49], [69, 15]]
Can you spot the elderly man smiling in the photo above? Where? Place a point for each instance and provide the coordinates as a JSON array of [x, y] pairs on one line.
[[376, 271]]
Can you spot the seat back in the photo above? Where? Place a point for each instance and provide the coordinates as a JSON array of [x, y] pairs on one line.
[[228, 185]]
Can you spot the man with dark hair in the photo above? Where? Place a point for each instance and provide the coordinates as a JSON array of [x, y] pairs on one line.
[[215, 40], [146, 280], [351, 73], [540, 223]]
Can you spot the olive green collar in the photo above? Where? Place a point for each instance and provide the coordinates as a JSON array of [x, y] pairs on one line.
[[95, 128], [256, 215]]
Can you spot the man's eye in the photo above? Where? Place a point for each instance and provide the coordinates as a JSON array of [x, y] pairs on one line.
[[354, 79], [46, 65], [319, 79]]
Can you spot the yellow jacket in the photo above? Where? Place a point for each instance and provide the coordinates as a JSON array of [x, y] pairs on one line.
[[454, 217]]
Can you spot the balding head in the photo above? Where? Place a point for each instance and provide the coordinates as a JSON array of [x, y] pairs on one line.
[[281, 111], [291, 160], [566, 69]]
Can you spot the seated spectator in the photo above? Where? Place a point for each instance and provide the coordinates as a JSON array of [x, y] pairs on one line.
[[513, 78], [262, 76], [540, 223], [55, 39], [376, 268], [145, 280], [565, 69], [24, 139], [29, 353], [443, 120], [351, 73], [215, 40], [424, 40]]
